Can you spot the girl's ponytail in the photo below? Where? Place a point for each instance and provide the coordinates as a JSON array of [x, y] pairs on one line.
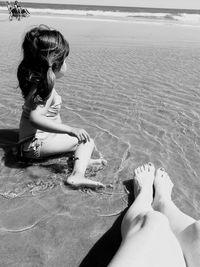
[[50, 77], [45, 84]]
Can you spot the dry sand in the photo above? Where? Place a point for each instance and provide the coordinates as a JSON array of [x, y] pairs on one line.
[[133, 86]]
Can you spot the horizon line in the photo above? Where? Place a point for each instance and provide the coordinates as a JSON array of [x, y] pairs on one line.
[[3, 3]]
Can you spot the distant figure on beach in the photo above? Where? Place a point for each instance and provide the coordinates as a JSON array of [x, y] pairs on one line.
[[16, 10], [42, 132], [22, 11], [11, 9], [9, 5], [155, 233], [17, 7]]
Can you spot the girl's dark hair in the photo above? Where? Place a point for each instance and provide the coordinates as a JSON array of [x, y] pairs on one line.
[[44, 52]]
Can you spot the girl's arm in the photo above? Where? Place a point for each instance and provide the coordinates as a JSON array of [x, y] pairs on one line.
[[39, 120]]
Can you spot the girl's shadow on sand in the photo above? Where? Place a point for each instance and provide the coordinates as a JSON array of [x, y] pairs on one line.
[[8, 143], [11, 158]]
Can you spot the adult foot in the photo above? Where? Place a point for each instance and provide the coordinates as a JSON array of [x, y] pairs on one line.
[[143, 180], [163, 189], [79, 181], [143, 189]]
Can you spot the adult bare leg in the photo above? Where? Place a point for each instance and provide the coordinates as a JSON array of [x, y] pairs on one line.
[[162, 202], [147, 239], [189, 240], [186, 228]]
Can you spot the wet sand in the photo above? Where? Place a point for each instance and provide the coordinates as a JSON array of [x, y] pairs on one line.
[[135, 88]]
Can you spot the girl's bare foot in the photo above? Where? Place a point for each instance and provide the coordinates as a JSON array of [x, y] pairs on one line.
[[143, 180], [163, 189], [79, 181]]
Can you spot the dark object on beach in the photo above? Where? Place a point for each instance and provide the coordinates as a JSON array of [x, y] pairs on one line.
[[16, 11]]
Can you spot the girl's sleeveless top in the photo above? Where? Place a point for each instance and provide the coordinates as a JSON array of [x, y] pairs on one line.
[[27, 131]]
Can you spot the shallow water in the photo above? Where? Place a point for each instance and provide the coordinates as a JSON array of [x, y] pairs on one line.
[[140, 100], [135, 88]]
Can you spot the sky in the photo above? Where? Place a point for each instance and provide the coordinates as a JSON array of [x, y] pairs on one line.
[[187, 4]]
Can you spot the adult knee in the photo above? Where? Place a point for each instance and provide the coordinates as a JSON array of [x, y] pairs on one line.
[[153, 220], [197, 227], [156, 218], [193, 231], [130, 226]]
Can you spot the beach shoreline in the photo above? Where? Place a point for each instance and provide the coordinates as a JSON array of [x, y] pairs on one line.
[[190, 17]]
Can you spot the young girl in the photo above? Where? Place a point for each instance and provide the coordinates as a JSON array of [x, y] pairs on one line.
[[42, 132]]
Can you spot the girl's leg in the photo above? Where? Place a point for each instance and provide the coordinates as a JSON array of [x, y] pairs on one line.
[[146, 236], [82, 159], [58, 144], [61, 143], [186, 229]]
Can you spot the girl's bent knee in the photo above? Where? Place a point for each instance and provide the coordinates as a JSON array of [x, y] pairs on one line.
[[91, 142]]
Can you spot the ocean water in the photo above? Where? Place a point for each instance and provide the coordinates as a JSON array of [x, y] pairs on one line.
[[135, 87], [182, 16]]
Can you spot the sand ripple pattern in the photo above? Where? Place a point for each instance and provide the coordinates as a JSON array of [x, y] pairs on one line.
[[141, 104]]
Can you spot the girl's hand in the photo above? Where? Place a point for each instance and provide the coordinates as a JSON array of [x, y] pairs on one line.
[[81, 134]]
